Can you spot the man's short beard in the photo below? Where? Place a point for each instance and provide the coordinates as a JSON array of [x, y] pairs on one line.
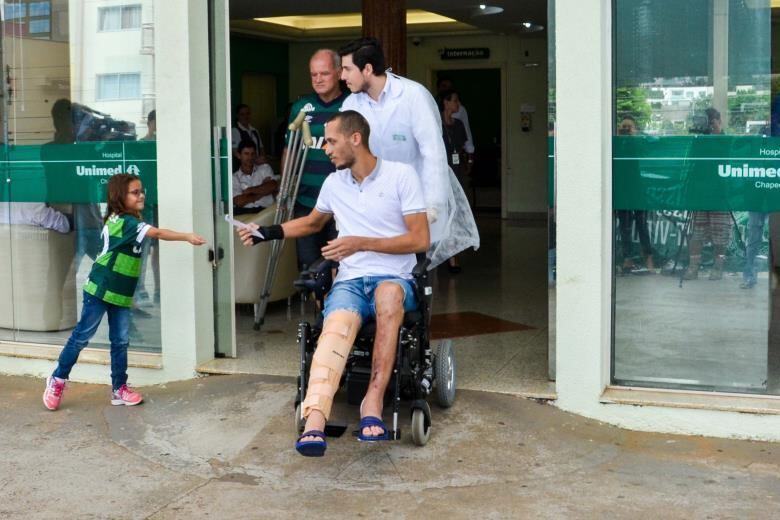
[[347, 163]]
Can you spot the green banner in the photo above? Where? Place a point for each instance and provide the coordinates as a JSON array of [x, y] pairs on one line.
[[75, 173], [700, 172]]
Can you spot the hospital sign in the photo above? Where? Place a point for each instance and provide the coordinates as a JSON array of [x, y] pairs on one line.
[[74, 173], [700, 172]]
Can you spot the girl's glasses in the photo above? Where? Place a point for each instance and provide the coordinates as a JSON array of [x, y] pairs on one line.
[[138, 192]]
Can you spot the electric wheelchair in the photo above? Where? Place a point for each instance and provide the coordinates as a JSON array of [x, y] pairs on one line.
[[420, 367]]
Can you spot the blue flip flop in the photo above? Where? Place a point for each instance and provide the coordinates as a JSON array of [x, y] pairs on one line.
[[311, 448], [367, 421]]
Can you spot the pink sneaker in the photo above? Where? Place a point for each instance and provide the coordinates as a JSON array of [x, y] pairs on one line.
[[52, 396], [126, 396]]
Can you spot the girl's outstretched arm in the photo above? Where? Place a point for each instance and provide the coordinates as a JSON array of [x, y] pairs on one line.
[[169, 234]]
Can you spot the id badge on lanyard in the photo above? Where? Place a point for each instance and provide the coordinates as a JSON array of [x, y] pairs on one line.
[[455, 158]]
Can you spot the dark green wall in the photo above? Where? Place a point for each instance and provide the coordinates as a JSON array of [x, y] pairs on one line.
[[263, 57]]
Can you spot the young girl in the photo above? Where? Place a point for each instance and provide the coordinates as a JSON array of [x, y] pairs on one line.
[[110, 287]]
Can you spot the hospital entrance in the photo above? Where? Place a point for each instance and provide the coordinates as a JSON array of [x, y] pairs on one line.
[[495, 309]]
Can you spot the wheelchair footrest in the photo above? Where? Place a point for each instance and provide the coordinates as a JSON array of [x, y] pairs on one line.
[[335, 428]]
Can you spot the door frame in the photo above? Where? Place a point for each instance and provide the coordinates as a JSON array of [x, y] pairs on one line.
[[431, 77], [221, 124]]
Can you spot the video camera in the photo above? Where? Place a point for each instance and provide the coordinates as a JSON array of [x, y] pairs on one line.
[[91, 125]]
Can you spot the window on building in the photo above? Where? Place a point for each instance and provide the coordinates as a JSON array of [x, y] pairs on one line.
[[696, 196], [119, 18], [40, 26], [118, 86], [15, 11], [28, 19], [40, 9]]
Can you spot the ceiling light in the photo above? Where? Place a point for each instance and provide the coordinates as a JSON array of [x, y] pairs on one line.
[[484, 9], [530, 27], [337, 21]]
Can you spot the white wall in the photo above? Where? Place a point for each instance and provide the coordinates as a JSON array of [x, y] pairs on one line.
[[94, 53], [525, 188], [184, 183]]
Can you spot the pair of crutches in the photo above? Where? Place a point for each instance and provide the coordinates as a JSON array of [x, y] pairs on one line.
[[294, 161]]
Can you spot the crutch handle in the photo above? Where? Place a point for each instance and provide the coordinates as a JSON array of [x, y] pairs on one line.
[[307, 140], [297, 121]]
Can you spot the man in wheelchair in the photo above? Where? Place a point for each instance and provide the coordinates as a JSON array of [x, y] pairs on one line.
[[380, 213]]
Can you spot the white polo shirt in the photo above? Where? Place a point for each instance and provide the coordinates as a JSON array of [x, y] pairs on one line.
[[406, 127], [374, 208], [242, 181]]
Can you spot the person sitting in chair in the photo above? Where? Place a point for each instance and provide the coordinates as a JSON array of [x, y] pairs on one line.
[[380, 213], [254, 185]]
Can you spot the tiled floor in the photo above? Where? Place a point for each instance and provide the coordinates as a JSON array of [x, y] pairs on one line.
[[496, 309]]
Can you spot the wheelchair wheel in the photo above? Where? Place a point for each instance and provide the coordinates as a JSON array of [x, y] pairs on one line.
[[300, 423], [445, 374], [421, 427]]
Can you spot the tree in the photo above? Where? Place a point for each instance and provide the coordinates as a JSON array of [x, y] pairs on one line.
[[633, 101], [747, 106]]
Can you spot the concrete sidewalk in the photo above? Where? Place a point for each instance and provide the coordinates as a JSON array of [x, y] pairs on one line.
[[221, 447]]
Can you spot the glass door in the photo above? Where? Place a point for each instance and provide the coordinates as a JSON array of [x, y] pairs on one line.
[[551, 264], [222, 254], [71, 120], [695, 195]]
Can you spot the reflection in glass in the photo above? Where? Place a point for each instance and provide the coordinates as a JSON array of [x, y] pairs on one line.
[[551, 224], [72, 119], [696, 169]]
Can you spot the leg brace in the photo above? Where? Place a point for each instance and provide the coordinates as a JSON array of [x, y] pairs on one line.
[[330, 357]]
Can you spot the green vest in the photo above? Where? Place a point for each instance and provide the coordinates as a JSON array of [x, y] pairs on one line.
[[115, 272]]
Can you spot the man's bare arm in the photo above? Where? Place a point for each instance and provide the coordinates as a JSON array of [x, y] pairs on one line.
[[415, 240], [254, 193], [267, 187], [299, 227], [304, 226]]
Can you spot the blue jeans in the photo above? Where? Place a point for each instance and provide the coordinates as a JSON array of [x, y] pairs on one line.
[[357, 295], [92, 313], [755, 234]]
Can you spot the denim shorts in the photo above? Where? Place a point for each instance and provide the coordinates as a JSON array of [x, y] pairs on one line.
[[357, 295]]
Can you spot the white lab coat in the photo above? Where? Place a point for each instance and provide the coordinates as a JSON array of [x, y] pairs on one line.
[[33, 214], [406, 127]]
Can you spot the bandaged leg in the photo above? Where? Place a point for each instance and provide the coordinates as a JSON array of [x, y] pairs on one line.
[[330, 357]]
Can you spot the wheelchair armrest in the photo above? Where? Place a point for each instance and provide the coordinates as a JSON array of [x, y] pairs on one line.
[[321, 266], [422, 266], [318, 278]]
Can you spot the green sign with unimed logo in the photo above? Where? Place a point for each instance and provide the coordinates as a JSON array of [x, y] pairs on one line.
[[74, 173], [700, 172]]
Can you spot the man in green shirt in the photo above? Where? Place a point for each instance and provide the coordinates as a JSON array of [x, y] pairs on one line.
[[326, 100]]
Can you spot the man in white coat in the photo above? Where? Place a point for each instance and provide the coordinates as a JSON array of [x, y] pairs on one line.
[[406, 127]]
